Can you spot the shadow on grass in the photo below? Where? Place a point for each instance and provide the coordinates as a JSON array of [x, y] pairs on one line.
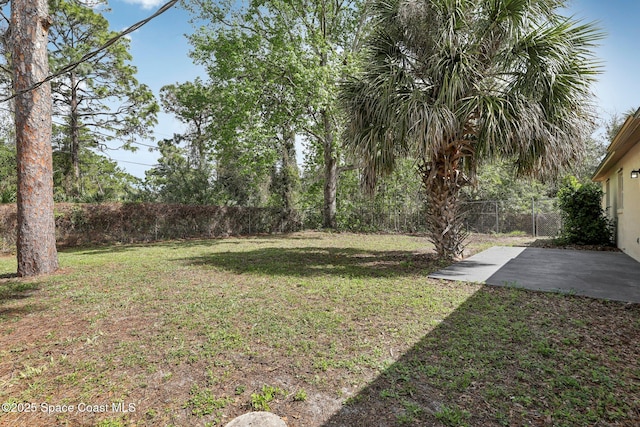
[[511, 357], [127, 247], [318, 261], [16, 290], [112, 247], [10, 313]]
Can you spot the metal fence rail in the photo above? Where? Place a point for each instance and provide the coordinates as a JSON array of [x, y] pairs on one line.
[[539, 217]]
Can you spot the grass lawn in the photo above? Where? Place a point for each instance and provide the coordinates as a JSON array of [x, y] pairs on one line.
[[321, 329]]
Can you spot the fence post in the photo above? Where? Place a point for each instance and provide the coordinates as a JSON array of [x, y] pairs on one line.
[[497, 218], [533, 217]]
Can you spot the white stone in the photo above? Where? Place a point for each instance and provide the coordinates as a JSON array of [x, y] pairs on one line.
[[257, 419]]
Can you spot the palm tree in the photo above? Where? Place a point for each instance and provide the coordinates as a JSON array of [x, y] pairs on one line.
[[454, 82]]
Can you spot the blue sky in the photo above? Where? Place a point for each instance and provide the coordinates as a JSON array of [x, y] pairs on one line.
[[160, 52], [618, 89]]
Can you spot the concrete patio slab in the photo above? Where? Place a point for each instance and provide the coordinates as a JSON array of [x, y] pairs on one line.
[[607, 275], [479, 267]]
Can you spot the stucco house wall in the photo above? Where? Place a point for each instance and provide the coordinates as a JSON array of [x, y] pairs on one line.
[[621, 199]]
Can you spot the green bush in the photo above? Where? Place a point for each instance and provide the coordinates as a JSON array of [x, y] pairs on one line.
[[583, 219]]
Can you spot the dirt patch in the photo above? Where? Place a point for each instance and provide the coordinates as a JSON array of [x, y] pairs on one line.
[[553, 244]]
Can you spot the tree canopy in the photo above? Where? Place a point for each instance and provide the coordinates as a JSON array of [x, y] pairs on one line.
[[100, 100], [283, 60]]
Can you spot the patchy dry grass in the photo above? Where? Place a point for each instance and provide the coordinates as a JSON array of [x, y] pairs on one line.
[[321, 329]]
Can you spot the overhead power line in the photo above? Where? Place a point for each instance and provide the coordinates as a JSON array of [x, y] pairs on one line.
[[133, 163], [95, 52], [144, 145], [110, 158]]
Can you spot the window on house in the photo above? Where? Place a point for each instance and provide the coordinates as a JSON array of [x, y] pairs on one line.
[[607, 194], [620, 189]]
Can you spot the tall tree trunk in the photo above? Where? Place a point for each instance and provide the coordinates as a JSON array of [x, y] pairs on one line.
[[289, 171], [443, 179], [36, 226], [330, 160], [75, 137], [330, 174]]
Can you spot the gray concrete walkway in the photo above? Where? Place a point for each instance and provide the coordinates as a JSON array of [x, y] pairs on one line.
[[607, 275]]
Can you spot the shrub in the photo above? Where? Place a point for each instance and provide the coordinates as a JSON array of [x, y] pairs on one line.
[[583, 219]]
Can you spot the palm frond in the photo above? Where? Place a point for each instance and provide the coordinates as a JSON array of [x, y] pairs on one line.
[[512, 78]]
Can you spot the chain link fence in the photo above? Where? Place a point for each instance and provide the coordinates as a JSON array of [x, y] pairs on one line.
[[540, 218], [142, 222], [547, 217]]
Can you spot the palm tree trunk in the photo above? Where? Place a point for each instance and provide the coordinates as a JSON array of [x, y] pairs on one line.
[[443, 180], [36, 243]]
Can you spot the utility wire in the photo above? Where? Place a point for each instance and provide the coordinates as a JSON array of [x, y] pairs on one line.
[[133, 163], [144, 145], [107, 156], [155, 147], [93, 53]]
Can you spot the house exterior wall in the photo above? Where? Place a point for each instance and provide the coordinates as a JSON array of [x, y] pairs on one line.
[[622, 202]]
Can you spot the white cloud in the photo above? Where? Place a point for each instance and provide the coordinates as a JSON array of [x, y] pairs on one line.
[[146, 4]]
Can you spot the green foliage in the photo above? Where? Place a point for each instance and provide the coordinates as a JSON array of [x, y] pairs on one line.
[[110, 423], [497, 180], [222, 158], [452, 416], [584, 221], [398, 193], [8, 162], [594, 152], [8, 174], [260, 401], [101, 179], [178, 178], [274, 66], [300, 396], [109, 78], [614, 123], [258, 95], [193, 105], [173, 180], [202, 402]]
